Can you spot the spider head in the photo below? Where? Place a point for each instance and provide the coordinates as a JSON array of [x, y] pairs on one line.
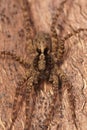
[[42, 42]]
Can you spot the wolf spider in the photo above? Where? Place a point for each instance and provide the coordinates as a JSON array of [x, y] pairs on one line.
[[45, 66]]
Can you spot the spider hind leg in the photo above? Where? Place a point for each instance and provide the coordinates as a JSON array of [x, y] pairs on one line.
[[53, 79], [33, 80], [66, 85], [20, 92], [16, 106]]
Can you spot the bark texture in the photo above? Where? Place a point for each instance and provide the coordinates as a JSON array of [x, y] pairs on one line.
[[12, 38]]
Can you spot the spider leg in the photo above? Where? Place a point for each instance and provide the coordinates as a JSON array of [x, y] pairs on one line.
[[28, 22], [28, 110], [29, 102], [74, 33], [56, 93], [67, 85], [15, 57], [55, 40], [60, 50], [20, 91], [57, 44], [28, 25]]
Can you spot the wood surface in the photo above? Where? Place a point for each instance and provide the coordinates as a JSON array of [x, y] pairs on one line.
[[12, 38]]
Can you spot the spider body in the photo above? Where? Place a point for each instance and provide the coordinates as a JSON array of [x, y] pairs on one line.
[[45, 66], [42, 43], [43, 62]]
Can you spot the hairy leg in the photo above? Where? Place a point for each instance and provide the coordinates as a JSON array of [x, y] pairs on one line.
[[28, 25], [73, 34], [30, 98], [15, 57], [55, 82], [68, 86], [28, 110], [28, 22], [57, 101], [20, 91], [55, 40]]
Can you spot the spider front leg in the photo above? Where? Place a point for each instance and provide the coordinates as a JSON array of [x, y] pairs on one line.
[[55, 39], [61, 49], [68, 86], [15, 57], [20, 91]]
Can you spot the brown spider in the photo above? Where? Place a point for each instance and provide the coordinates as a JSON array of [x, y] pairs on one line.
[[45, 66]]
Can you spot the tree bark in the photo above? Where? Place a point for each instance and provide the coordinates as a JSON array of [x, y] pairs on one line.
[[12, 38]]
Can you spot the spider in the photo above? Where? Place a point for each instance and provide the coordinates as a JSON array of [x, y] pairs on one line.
[[45, 67]]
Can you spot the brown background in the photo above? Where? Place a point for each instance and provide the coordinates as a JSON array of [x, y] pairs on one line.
[[12, 38]]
